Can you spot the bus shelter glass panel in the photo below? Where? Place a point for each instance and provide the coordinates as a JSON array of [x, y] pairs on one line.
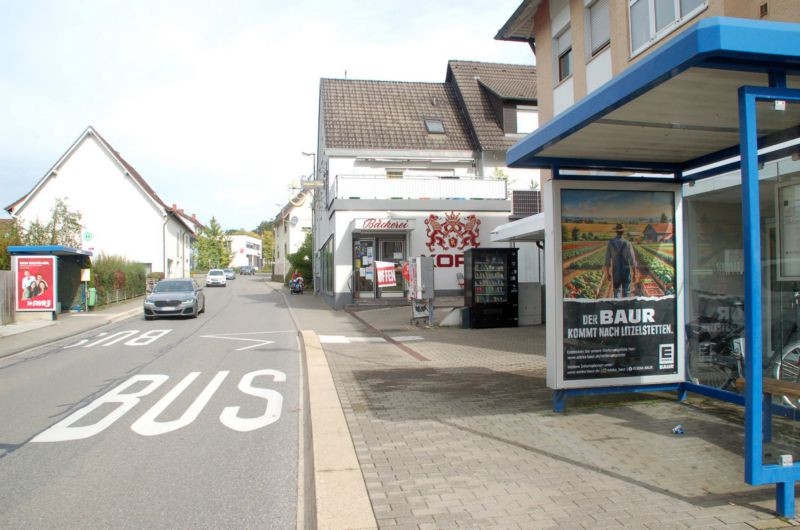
[[715, 347]]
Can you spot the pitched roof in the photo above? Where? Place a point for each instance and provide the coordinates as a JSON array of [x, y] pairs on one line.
[[391, 115], [90, 131], [519, 27], [475, 80]]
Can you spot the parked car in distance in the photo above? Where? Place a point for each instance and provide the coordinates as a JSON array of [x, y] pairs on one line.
[[230, 274], [246, 270], [173, 298], [216, 277]]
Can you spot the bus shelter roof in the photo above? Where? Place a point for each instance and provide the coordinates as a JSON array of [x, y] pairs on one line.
[[47, 250], [675, 112]]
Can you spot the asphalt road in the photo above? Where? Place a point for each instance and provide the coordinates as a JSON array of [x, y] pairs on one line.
[[189, 423]]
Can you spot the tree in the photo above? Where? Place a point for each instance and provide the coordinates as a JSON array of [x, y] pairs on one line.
[[213, 249], [268, 246], [664, 218], [264, 229], [302, 259], [64, 228], [9, 237], [264, 226]]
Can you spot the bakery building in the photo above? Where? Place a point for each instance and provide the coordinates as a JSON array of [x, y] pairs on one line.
[[409, 169]]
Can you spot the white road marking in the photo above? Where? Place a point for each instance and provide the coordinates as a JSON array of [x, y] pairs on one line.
[[229, 416], [236, 336], [105, 339], [407, 338], [334, 339], [341, 339], [64, 430], [147, 424]]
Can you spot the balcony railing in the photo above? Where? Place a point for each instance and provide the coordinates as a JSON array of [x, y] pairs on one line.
[[414, 187]]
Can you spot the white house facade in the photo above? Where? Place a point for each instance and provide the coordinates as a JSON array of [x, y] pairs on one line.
[[291, 226], [411, 169], [246, 251], [121, 215]]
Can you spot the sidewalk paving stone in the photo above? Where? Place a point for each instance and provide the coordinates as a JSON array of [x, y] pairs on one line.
[[469, 421]]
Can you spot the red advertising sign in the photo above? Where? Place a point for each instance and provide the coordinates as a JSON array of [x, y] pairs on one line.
[[35, 283], [385, 273]]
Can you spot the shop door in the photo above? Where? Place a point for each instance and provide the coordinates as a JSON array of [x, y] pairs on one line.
[[392, 250], [363, 268]]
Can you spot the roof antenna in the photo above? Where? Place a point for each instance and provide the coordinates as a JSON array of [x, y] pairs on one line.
[[345, 74]]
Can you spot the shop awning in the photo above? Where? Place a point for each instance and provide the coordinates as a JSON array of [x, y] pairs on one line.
[[676, 110], [526, 229]]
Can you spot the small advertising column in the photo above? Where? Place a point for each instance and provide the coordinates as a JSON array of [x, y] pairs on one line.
[[418, 272], [36, 278], [615, 287]]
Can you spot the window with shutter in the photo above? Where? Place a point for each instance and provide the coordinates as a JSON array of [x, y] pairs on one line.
[[599, 26], [563, 47]]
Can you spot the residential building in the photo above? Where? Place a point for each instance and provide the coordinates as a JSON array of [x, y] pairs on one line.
[[581, 44], [408, 169], [121, 214], [246, 250], [292, 224]]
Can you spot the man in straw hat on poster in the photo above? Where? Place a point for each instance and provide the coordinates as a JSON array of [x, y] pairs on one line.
[[620, 263]]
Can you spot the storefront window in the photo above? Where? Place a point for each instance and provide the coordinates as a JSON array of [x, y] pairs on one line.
[[715, 348], [326, 259]]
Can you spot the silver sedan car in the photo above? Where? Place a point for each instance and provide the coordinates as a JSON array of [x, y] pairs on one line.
[[175, 297]]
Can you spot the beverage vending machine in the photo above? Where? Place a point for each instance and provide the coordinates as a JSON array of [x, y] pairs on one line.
[[491, 292]]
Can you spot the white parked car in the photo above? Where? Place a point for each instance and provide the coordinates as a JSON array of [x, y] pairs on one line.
[[216, 277]]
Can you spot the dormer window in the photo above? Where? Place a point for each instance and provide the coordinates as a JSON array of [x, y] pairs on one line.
[[434, 126], [527, 119]]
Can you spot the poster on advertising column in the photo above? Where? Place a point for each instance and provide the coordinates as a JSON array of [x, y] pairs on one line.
[[35, 283], [619, 278]]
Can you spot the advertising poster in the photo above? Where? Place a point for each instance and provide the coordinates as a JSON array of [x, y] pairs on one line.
[[35, 283], [618, 269]]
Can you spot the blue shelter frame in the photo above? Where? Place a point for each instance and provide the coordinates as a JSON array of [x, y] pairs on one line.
[[623, 126]]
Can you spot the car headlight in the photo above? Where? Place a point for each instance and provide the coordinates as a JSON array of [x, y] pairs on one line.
[[190, 301], [149, 303]]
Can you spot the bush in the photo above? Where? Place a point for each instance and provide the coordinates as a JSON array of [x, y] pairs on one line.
[[302, 261], [116, 278]]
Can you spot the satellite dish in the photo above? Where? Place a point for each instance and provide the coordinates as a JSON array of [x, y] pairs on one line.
[[294, 220]]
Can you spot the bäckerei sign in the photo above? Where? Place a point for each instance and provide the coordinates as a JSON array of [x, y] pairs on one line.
[[383, 223]]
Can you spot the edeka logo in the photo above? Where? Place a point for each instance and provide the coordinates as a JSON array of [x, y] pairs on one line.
[[452, 231]]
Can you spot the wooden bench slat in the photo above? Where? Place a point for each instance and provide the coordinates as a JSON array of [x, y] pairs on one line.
[[770, 385]]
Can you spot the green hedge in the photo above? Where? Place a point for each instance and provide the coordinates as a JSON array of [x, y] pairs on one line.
[[116, 278]]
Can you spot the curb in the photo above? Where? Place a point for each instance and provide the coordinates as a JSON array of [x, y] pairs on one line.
[[340, 492], [331, 484]]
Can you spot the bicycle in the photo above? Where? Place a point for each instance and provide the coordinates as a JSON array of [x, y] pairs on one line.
[[715, 353], [718, 358]]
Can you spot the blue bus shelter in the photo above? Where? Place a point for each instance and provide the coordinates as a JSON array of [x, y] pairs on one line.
[[721, 96]]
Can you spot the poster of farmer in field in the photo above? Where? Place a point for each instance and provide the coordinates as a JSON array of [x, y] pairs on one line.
[[618, 271], [617, 244]]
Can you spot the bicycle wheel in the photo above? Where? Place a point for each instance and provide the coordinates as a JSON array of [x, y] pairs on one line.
[[703, 369], [788, 369]]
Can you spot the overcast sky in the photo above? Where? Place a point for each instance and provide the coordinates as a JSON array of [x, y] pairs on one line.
[[213, 102]]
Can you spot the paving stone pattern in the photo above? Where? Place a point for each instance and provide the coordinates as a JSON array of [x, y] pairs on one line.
[[468, 439]]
